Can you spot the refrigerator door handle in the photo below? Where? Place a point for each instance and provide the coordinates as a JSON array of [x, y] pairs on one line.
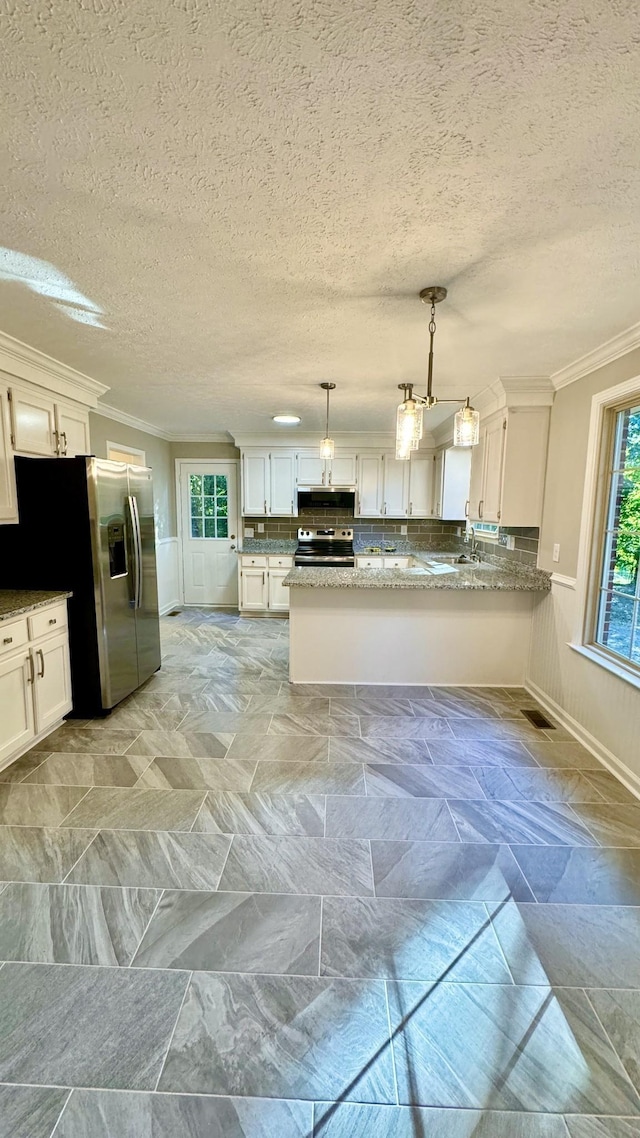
[[136, 542]]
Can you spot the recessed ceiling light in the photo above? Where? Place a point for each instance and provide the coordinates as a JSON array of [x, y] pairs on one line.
[[288, 420]]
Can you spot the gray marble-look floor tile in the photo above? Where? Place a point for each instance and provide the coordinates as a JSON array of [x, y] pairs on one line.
[[392, 691], [324, 691], [308, 778], [100, 741], [580, 875], [22, 805], [401, 819], [280, 748], [96, 1027], [36, 853], [299, 815], [562, 754], [227, 722], [583, 1126], [197, 774], [30, 1112], [344, 1120], [23, 767], [410, 940], [122, 1114], [371, 705], [210, 701], [476, 729], [404, 727], [447, 870], [536, 823], [481, 753], [456, 707], [612, 825], [380, 750], [139, 719], [89, 770], [619, 1014], [175, 685], [181, 744], [73, 924], [115, 808], [233, 932], [298, 865], [534, 1048], [610, 787], [289, 704], [508, 784], [152, 860], [420, 782], [290, 1037], [587, 946], [295, 723]]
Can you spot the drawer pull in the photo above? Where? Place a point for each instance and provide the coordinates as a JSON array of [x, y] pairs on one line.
[[8, 640], [53, 620]]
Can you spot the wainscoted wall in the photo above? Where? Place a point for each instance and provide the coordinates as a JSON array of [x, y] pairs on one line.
[[167, 554], [600, 709]]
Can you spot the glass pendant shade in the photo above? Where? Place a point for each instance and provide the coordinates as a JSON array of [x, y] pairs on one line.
[[408, 428], [466, 427], [327, 447]]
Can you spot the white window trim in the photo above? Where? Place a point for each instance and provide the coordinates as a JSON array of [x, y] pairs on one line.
[[595, 474], [128, 450]]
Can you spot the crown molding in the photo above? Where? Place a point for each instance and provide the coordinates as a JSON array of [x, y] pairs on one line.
[[203, 437], [27, 363], [294, 441], [147, 428], [604, 354]]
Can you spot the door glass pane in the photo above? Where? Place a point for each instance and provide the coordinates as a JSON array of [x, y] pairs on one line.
[[196, 507], [620, 581], [223, 530], [196, 527], [221, 485], [209, 527], [209, 510], [209, 505], [209, 483], [195, 482]]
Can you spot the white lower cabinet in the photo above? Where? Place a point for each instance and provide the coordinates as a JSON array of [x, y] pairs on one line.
[[377, 562], [261, 588], [35, 679]]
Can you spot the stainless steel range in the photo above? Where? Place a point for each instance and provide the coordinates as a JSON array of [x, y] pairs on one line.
[[325, 547]]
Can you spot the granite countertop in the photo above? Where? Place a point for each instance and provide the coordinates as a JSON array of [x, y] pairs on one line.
[[430, 573], [15, 602], [268, 545]]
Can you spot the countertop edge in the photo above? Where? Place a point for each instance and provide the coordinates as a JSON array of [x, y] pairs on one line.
[[25, 602]]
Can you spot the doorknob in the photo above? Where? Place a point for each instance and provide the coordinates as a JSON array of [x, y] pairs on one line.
[[233, 537], [232, 547]]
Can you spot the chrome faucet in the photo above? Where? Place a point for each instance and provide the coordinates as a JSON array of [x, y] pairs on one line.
[[474, 553]]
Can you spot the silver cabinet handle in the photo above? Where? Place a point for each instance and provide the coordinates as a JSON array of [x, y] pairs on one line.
[[480, 505], [466, 508], [265, 505], [263, 580], [8, 640], [57, 440], [53, 620], [410, 508], [63, 435], [40, 653], [32, 670]]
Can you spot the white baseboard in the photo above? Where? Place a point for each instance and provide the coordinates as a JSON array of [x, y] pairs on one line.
[[606, 757], [170, 606]]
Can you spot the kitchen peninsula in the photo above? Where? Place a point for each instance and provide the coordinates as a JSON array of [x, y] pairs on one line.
[[435, 622]]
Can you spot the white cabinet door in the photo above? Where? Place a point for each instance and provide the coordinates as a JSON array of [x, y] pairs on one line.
[[283, 485], [253, 588], [72, 425], [438, 476], [455, 483], [341, 471], [492, 481], [278, 594], [52, 688], [16, 704], [421, 486], [311, 469], [8, 501], [395, 483], [255, 483], [33, 423], [369, 497], [476, 481]]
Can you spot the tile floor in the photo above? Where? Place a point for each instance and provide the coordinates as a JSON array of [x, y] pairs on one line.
[[240, 910]]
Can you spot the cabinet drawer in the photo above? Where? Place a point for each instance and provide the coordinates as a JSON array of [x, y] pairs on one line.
[[49, 620], [280, 562], [369, 562], [13, 635], [257, 562], [396, 562]]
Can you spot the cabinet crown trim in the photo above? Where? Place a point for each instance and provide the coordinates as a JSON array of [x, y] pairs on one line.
[[22, 362]]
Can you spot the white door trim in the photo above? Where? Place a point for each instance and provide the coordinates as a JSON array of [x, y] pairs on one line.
[[180, 463]]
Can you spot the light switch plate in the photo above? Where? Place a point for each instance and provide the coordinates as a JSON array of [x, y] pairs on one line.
[[556, 552]]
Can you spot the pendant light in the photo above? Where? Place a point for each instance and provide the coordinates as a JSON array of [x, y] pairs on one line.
[[327, 445], [409, 417]]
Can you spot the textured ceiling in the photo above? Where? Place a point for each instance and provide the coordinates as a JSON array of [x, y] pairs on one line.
[[213, 206]]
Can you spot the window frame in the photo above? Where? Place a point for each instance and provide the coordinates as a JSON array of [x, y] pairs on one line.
[[605, 406], [124, 449]]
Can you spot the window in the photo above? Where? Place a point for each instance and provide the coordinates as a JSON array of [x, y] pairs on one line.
[[118, 452], [209, 495], [616, 625]]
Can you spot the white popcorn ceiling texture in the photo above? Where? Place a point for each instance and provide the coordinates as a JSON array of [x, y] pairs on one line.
[[235, 200]]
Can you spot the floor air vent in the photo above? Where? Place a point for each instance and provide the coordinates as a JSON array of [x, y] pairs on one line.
[[539, 720], [174, 612]]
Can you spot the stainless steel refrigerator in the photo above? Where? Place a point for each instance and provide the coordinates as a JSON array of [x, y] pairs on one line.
[[87, 525]]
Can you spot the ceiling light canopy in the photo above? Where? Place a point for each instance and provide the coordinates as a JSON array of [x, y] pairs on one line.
[[409, 417], [286, 420], [327, 446]]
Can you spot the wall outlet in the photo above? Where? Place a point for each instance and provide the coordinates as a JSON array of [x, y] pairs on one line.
[[260, 527], [248, 531], [556, 551], [507, 540], [403, 529]]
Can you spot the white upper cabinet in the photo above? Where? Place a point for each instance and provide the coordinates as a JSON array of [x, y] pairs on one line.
[[315, 471], [420, 484], [342, 469], [8, 503], [311, 469], [508, 468], [33, 422], [72, 426], [395, 487], [255, 483], [454, 491], [438, 481], [369, 499], [282, 484]]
